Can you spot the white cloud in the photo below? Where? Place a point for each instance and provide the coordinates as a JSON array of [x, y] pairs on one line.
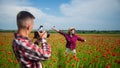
[[87, 14], [9, 10], [92, 12], [82, 14], [15, 2], [89, 7]]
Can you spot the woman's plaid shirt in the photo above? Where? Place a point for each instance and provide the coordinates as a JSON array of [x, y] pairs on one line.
[[30, 54]]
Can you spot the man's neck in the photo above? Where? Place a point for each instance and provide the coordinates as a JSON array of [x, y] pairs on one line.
[[23, 33]]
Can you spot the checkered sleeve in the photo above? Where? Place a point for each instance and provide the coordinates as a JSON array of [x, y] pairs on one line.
[[33, 52]]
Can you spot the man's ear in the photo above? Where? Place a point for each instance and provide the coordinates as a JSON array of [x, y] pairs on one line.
[[28, 27]]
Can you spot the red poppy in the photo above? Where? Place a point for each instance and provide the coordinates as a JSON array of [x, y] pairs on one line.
[[54, 60], [51, 64], [9, 60], [117, 61], [90, 63], [88, 52], [114, 54], [103, 55], [97, 56], [85, 59], [15, 61], [9, 53], [108, 66], [73, 65]]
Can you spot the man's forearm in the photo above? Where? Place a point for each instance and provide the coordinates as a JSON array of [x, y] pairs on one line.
[[46, 48]]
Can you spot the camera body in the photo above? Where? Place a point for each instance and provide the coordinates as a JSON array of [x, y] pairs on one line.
[[36, 35]]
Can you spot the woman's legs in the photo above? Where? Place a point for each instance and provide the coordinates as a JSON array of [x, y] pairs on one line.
[[70, 51]]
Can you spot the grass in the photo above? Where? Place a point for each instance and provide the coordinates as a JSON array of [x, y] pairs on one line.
[[99, 51]]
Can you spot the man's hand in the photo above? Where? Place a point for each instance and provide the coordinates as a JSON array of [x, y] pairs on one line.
[[43, 34]]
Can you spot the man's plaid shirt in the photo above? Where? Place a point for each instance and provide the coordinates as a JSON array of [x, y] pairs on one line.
[[30, 54]]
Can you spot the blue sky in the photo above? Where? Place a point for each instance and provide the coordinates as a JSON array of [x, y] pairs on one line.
[[81, 14], [49, 6]]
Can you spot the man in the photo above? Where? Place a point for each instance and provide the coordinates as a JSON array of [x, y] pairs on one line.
[[71, 39], [27, 53]]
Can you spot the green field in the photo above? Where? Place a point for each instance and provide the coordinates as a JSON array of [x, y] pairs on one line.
[[99, 51]]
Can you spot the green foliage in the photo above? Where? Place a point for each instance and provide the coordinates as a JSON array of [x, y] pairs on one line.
[[99, 51], [79, 31]]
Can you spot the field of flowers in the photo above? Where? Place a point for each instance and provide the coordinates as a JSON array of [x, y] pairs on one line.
[[99, 51]]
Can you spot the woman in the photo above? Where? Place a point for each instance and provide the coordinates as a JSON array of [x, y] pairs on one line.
[[71, 39]]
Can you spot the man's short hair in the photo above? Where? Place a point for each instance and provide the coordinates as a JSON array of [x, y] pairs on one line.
[[21, 17]]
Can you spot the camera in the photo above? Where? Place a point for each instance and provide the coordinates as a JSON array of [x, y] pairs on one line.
[[40, 29]]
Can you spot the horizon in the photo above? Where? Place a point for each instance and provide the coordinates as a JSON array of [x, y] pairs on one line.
[[81, 14], [53, 30]]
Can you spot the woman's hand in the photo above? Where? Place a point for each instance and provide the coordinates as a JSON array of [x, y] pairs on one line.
[[53, 28], [84, 40]]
